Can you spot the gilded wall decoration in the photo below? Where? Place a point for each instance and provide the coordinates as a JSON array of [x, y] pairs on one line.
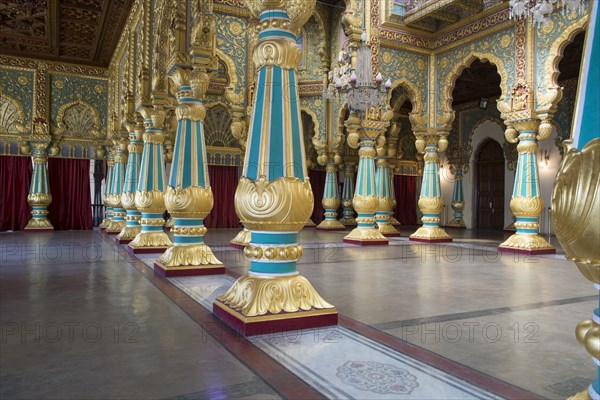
[[11, 117], [497, 48], [406, 141], [217, 127], [312, 38], [484, 25], [563, 118], [316, 106], [66, 89], [550, 42], [19, 84], [232, 40]]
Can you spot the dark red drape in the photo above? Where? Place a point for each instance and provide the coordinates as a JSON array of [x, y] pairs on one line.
[[15, 178], [406, 199], [71, 207], [317, 182], [223, 181]]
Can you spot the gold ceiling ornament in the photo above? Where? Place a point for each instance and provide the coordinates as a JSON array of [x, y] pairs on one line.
[[299, 11]]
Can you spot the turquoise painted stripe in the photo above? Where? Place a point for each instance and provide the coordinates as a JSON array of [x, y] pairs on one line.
[[149, 184], [189, 100], [187, 154], [276, 147], [272, 268], [528, 219], [587, 119], [152, 216], [188, 222], [188, 240], [152, 228], [204, 178], [276, 33], [277, 238], [297, 133], [274, 14], [252, 154], [527, 231], [176, 156]]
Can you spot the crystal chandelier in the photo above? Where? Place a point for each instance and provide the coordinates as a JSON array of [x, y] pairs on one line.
[[538, 11], [356, 87]]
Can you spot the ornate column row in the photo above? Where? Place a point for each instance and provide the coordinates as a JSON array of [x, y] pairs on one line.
[[348, 194], [331, 199], [113, 199], [274, 197]]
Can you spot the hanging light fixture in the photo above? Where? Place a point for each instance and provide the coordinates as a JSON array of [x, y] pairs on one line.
[[356, 86], [538, 11]]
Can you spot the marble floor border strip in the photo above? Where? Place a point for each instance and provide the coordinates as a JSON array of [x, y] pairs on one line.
[[279, 378], [384, 326]]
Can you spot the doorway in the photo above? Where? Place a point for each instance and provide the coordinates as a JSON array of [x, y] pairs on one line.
[[489, 186]]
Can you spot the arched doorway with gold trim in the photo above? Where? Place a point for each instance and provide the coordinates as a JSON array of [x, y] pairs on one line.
[[489, 186]]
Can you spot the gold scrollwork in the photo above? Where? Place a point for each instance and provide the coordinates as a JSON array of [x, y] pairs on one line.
[[193, 201]]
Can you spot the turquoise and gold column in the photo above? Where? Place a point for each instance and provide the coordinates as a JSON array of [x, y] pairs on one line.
[[576, 193], [383, 190], [133, 217], [117, 222], [458, 199], [430, 202], [274, 198], [527, 203], [365, 200], [39, 197], [150, 194], [331, 199], [347, 195], [110, 163], [189, 197]]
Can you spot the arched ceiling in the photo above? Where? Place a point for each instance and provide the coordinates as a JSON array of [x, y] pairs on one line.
[[77, 31]]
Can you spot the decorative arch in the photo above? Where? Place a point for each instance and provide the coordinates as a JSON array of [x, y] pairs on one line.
[[217, 126], [322, 35], [229, 68], [459, 67], [413, 95], [551, 72], [469, 147], [12, 115], [311, 113], [78, 119]]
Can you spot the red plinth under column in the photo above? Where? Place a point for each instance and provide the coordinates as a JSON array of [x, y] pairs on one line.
[[123, 241], [367, 242], [333, 230], [423, 240], [38, 230], [236, 245], [392, 234], [273, 323], [146, 250], [188, 271], [525, 251]]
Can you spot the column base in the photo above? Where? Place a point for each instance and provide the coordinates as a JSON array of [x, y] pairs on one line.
[[39, 225], [149, 242], [242, 239], [366, 237], [395, 222], [104, 224], [186, 260], [510, 227], [331, 225], [388, 230], [526, 244], [429, 234], [128, 234], [348, 221], [256, 305], [456, 223], [583, 395], [169, 224], [115, 227]]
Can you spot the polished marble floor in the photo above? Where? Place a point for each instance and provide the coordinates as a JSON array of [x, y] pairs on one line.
[[82, 319]]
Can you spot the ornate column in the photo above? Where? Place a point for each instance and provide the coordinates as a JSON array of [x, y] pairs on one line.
[[39, 197], [133, 217], [431, 203], [150, 194], [274, 198], [189, 197], [110, 163], [383, 188], [331, 200], [458, 198], [348, 194], [527, 203], [392, 153], [365, 198], [118, 222]]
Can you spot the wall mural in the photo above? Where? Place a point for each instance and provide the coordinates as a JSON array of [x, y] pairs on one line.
[[316, 105], [232, 39], [18, 84]]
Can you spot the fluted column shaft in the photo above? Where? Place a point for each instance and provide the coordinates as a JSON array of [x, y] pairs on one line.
[[527, 203], [331, 199], [150, 194], [114, 197], [347, 195], [39, 196], [110, 162], [133, 217], [430, 202], [458, 198], [385, 197]]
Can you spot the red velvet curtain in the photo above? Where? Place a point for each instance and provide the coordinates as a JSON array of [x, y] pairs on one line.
[[317, 182], [15, 178], [406, 199], [223, 181], [71, 207]]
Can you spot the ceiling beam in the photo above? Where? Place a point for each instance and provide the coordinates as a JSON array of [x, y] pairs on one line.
[[53, 26], [95, 49]]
